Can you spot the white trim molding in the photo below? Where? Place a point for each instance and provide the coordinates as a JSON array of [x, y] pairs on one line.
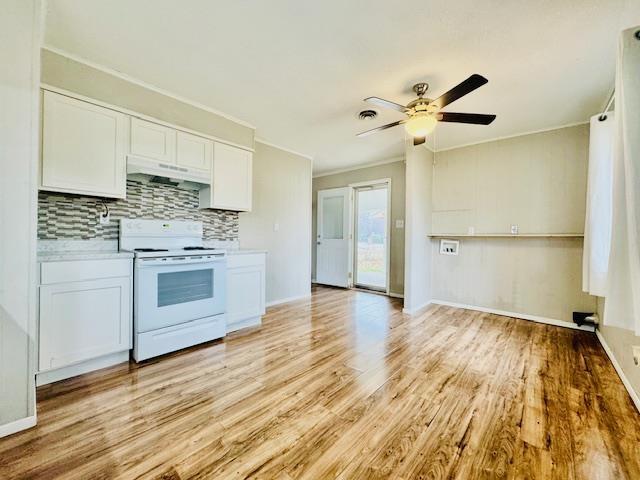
[[18, 425], [625, 381], [141, 83], [280, 301], [418, 309], [396, 295], [523, 316], [284, 149], [507, 137], [358, 167]]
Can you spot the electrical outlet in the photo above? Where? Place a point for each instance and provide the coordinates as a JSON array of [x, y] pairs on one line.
[[636, 355], [471, 231], [514, 229], [449, 247], [105, 218], [399, 223], [276, 227]]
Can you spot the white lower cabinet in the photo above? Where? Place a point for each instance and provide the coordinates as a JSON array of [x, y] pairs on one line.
[[85, 313], [245, 290]]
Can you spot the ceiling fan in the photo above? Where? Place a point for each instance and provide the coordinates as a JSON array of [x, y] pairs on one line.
[[425, 113]]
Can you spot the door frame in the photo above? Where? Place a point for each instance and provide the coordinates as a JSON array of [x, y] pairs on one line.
[[352, 245]]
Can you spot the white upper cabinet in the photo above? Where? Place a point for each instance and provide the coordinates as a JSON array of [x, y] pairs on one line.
[[193, 151], [83, 148], [153, 141], [231, 182]]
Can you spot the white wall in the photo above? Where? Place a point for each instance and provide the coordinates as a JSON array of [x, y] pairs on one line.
[[19, 120], [282, 197], [417, 277]]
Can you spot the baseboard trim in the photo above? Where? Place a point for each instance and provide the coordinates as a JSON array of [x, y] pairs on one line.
[[50, 376], [280, 301], [396, 295], [17, 425], [418, 309], [625, 381], [523, 316]]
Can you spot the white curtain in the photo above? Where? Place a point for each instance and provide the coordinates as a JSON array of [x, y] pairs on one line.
[[597, 226], [622, 308]]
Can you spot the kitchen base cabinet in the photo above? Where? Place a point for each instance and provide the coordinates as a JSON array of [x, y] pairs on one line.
[[245, 290], [85, 314]]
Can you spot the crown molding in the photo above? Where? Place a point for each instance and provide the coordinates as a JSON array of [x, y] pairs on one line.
[[141, 83], [285, 149], [359, 167], [507, 137]]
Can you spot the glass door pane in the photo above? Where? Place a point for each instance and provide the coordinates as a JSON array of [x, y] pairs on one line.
[[333, 218], [371, 237]]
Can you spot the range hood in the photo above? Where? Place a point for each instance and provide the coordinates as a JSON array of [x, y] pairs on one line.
[[151, 171]]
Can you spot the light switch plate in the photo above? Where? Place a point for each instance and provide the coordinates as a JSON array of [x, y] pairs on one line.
[[399, 223]]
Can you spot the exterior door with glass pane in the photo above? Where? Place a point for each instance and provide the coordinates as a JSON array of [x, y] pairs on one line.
[[333, 258]]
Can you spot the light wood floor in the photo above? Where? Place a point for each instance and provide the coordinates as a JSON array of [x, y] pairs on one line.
[[345, 386]]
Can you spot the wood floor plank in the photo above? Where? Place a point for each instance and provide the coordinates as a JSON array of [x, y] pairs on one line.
[[344, 385]]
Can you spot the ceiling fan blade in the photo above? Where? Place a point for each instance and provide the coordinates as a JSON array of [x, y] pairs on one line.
[[475, 118], [381, 102], [460, 90], [377, 129], [419, 140]]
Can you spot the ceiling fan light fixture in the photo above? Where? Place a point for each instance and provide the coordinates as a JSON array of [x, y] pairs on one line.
[[420, 124]]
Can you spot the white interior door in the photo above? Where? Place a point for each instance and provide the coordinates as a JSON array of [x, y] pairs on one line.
[[333, 259]]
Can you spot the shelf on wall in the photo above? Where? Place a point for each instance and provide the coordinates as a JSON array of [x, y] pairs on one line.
[[506, 235]]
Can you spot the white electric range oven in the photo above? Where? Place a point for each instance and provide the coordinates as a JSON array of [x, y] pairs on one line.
[[179, 286]]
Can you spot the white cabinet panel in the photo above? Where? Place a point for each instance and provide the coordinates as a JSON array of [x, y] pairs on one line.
[[245, 289], [83, 320], [154, 141], [232, 180], [83, 148], [193, 151]]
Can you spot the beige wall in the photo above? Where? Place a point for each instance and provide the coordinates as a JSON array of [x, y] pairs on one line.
[[396, 172], [418, 258], [536, 181], [620, 341], [282, 196], [19, 45], [65, 73]]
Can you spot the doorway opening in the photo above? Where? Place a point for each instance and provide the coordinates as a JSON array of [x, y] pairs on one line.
[[371, 236]]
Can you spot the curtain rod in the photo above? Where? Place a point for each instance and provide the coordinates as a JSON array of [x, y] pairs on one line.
[[603, 115]]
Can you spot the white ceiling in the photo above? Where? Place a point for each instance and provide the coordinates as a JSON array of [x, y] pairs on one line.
[[298, 69]]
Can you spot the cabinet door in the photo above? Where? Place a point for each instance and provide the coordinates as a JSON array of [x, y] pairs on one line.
[[153, 141], [232, 178], [83, 320], [83, 148], [193, 151], [245, 293]]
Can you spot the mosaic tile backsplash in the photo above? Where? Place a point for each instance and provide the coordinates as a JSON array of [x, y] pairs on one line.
[[67, 216]]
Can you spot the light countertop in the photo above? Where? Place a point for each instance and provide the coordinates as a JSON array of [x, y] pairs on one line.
[[66, 255], [243, 251]]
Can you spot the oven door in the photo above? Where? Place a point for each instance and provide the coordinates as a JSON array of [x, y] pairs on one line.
[[174, 290]]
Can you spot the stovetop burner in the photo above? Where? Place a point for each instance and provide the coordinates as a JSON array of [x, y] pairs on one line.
[[196, 248], [150, 250]]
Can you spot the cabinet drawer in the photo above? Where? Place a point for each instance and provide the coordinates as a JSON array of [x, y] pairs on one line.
[[79, 270], [246, 260]]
